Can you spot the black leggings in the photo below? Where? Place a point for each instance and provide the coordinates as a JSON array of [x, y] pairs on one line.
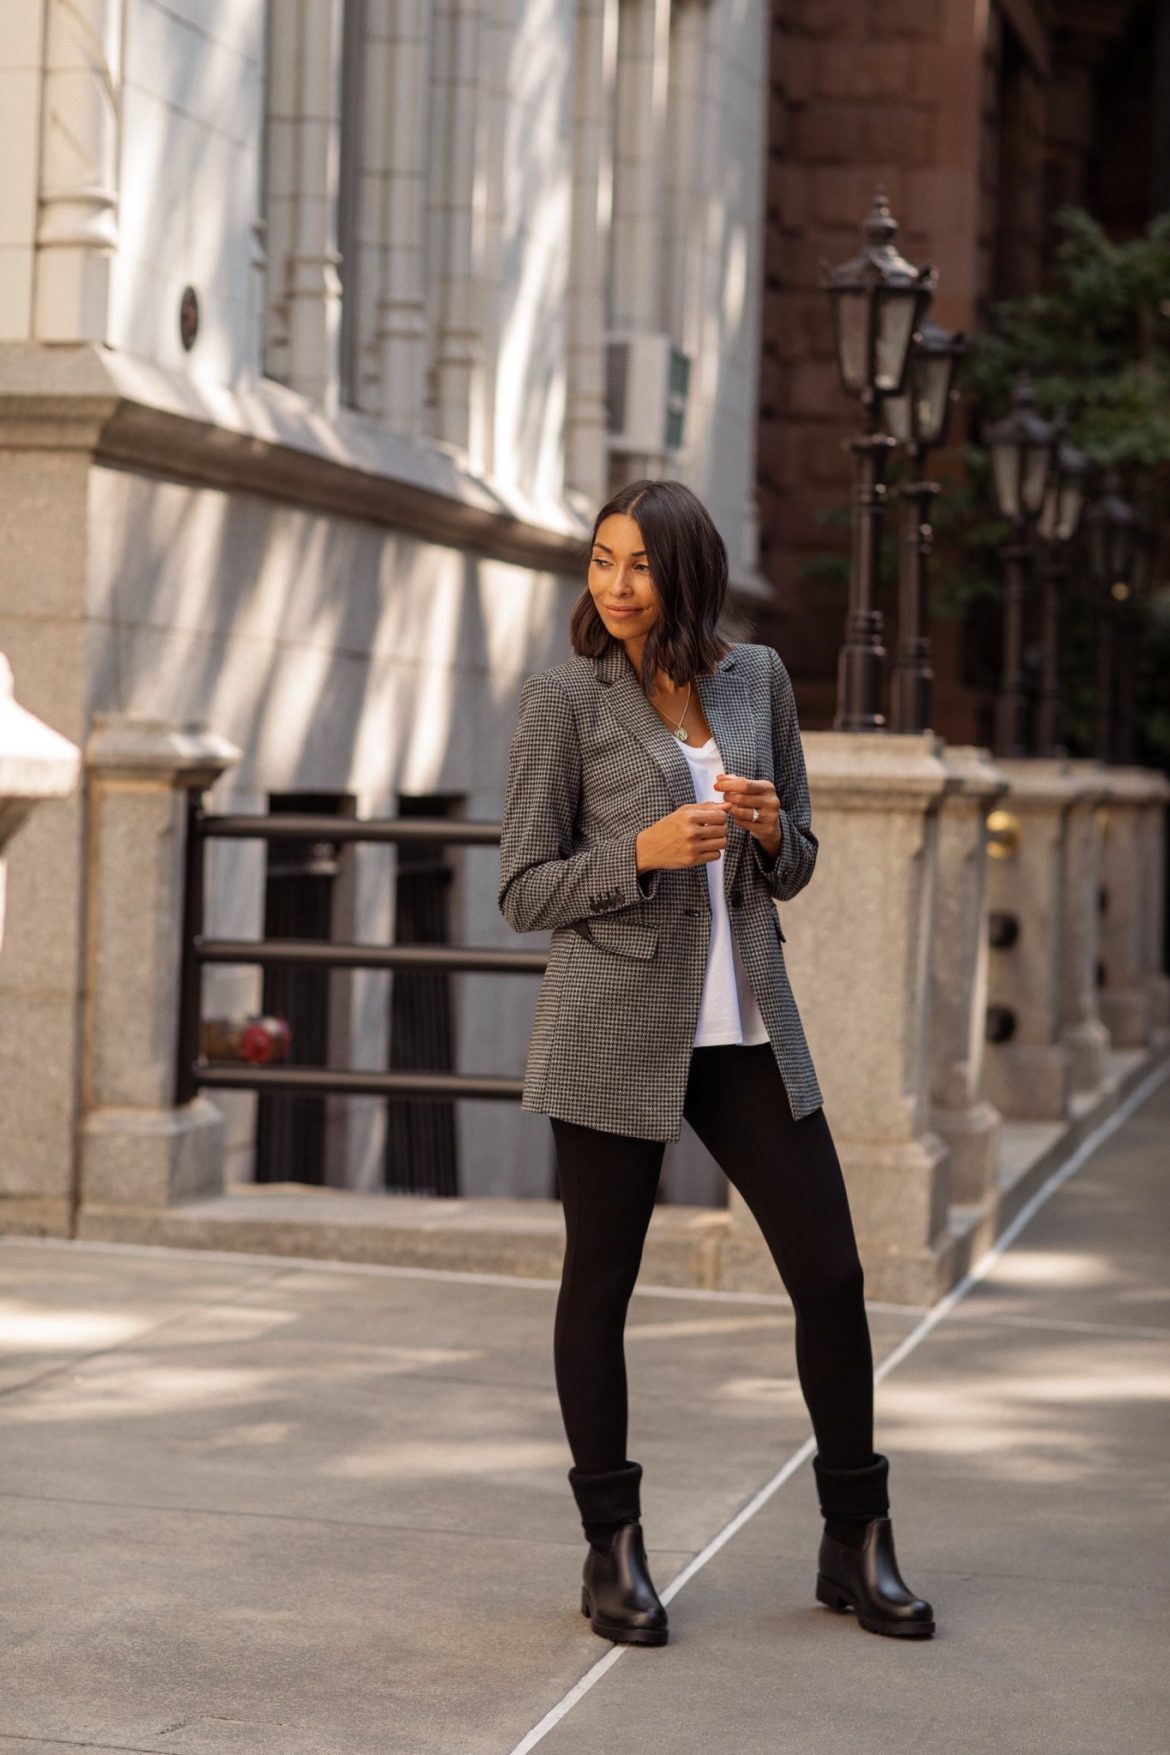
[[790, 1176]]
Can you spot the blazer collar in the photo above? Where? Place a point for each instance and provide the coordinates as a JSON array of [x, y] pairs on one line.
[[724, 700]]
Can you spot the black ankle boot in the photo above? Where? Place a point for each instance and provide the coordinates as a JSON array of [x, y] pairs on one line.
[[857, 1567], [617, 1594]]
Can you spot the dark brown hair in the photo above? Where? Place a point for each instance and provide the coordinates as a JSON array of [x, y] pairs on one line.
[[688, 572]]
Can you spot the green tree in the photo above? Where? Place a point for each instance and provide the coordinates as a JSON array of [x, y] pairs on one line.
[[1096, 345]]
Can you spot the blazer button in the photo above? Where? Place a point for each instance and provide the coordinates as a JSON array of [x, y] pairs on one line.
[[736, 898]]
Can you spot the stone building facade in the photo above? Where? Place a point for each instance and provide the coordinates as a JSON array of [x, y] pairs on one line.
[[307, 313], [981, 118]]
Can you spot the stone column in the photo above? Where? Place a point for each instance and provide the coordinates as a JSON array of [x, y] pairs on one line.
[[458, 366], [1084, 1033], [77, 230], [138, 1147], [303, 124], [36, 763], [968, 1123], [594, 57], [399, 49], [1157, 980], [859, 954], [1028, 1075], [1126, 997]]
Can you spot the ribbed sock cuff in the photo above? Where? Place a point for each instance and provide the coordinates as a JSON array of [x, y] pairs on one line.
[[612, 1497], [853, 1494]]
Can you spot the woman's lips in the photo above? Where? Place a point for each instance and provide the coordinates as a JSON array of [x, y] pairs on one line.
[[612, 611]]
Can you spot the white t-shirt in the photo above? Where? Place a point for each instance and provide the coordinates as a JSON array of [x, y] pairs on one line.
[[727, 1010]]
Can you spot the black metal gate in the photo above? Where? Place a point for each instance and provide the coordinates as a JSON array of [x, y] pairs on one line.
[[431, 1085], [420, 1136], [298, 904]]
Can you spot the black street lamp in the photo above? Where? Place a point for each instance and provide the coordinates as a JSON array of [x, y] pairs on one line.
[[918, 419], [1059, 517], [1021, 446], [878, 301], [1112, 527]]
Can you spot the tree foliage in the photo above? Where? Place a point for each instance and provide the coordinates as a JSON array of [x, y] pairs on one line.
[[1096, 345]]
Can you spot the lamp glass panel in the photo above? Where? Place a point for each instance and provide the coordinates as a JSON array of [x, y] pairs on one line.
[[1049, 523], [1072, 498], [1005, 470], [933, 373], [851, 310], [897, 413], [896, 310], [1034, 477]]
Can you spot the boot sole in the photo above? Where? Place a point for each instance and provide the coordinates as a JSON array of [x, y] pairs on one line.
[[623, 1635], [837, 1599]]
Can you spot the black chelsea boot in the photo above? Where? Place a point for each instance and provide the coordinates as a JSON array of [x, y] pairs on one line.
[[617, 1594], [857, 1567]]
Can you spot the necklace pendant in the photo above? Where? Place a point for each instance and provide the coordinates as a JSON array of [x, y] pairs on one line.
[[681, 733]]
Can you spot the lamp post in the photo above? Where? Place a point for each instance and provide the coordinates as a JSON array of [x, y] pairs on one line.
[[1059, 517], [1127, 611], [918, 419], [1111, 524], [1021, 447], [878, 300]]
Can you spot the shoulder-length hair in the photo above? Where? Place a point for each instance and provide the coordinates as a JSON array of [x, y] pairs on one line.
[[688, 572]]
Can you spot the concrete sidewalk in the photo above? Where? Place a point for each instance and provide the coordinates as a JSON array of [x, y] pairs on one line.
[[274, 1508]]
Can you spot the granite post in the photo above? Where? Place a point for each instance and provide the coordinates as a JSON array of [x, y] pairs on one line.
[[1127, 997], [1027, 1075], [38, 769], [1157, 979], [139, 1148], [858, 952], [962, 1116], [1085, 1035]]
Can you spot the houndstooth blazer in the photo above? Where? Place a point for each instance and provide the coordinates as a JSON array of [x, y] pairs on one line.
[[591, 764]]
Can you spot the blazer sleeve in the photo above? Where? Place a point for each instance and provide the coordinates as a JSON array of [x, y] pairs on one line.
[[543, 883], [792, 867]]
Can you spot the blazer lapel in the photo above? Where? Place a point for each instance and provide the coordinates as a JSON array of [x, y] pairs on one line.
[[723, 698]]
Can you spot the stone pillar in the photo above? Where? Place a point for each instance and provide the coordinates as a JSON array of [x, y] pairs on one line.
[[1126, 998], [594, 55], [36, 763], [1028, 1076], [859, 953], [303, 123], [1157, 980], [1084, 1033], [77, 230], [458, 366], [399, 49], [968, 1123], [138, 1147]]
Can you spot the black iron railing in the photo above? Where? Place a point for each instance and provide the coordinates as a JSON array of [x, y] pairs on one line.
[[194, 1072]]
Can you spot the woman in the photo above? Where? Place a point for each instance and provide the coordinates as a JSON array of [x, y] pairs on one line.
[[660, 749]]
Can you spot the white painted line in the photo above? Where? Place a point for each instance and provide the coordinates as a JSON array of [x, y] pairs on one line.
[[918, 1333]]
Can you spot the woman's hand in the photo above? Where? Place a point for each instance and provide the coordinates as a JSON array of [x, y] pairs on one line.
[[741, 797], [694, 834]]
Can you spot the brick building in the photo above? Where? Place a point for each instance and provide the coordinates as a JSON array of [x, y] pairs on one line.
[[981, 118]]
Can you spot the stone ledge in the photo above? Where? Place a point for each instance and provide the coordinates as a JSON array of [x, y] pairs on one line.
[[686, 1246], [520, 1237]]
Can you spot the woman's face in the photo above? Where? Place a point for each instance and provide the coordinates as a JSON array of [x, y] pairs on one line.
[[619, 579]]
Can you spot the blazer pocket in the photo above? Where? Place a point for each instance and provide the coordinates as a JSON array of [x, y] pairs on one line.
[[627, 938]]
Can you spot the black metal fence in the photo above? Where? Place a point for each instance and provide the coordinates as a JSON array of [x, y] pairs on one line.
[[198, 952]]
